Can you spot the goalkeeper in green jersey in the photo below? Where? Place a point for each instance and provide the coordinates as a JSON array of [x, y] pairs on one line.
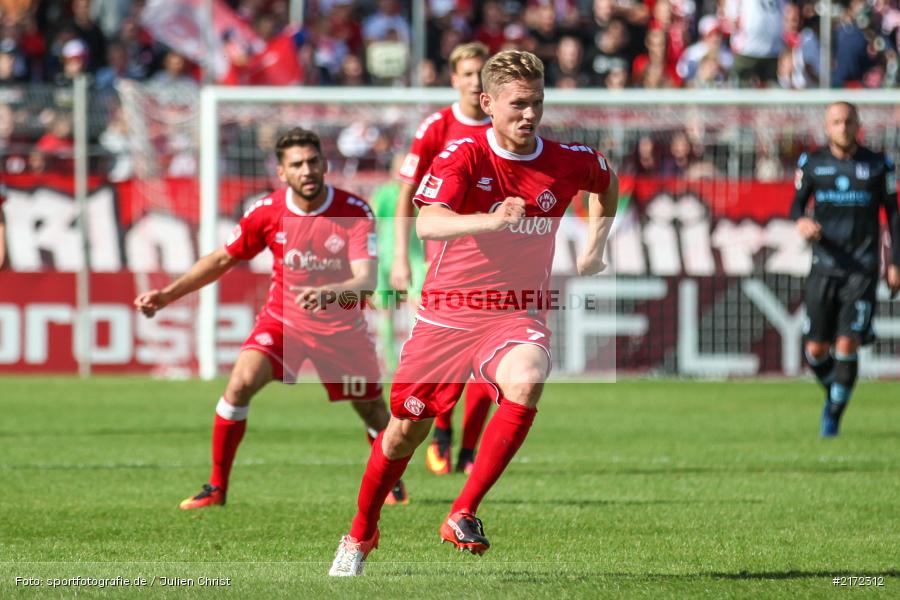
[[384, 204]]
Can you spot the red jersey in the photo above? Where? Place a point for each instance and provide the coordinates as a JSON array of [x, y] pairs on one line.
[[434, 133], [309, 249], [475, 175]]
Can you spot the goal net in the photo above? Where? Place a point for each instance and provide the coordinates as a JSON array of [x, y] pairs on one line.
[[706, 270]]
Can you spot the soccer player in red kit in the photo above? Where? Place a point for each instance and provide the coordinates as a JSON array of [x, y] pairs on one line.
[[494, 200], [323, 243], [462, 119]]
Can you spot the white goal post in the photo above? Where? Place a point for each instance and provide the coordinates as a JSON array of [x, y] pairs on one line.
[[213, 98]]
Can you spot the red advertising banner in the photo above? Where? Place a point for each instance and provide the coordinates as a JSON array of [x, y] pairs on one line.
[[38, 320], [708, 279]]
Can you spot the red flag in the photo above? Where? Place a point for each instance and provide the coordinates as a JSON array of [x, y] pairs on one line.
[[277, 64], [183, 26]]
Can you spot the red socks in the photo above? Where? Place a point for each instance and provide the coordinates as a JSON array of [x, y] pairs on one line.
[[379, 479], [477, 405], [502, 438], [228, 431], [444, 420]]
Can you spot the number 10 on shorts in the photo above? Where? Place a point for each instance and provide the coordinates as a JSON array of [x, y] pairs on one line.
[[354, 385]]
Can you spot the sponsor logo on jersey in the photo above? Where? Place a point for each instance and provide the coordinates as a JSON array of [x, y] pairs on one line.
[[484, 183], [264, 339], [410, 164], [280, 237], [297, 260], [842, 182], [430, 186], [862, 170], [234, 235], [532, 226], [334, 243], [414, 405], [546, 200]]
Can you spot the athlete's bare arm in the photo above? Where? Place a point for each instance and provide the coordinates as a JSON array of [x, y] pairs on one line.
[[601, 212], [400, 271], [204, 271], [362, 282], [436, 222]]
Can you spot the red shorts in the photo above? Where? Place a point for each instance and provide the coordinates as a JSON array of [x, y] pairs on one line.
[[346, 361], [436, 362]]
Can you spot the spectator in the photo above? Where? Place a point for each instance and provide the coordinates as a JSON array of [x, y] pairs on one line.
[[491, 31], [802, 48], [616, 79], [428, 76], [33, 45], [139, 46], [568, 63], [343, 27], [88, 31], [851, 48], [387, 60], [352, 71], [109, 14], [12, 68], [611, 52], [330, 51], [677, 162], [674, 27], [655, 58], [385, 23], [116, 66], [545, 31], [645, 160], [710, 44], [54, 150], [174, 73], [115, 141], [710, 74], [74, 62], [756, 40]]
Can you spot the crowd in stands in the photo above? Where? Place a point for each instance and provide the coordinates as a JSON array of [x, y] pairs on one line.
[[584, 43], [611, 44]]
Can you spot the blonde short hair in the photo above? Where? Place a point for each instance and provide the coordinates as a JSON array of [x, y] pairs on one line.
[[467, 51], [510, 65]]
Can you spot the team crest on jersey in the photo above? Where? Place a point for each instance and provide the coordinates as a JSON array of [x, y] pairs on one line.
[[264, 339], [862, 170], [334, 243], [414, 405], [546, 200]]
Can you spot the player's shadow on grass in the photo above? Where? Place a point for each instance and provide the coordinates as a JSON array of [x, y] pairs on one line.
[[817, 468], [598, 502], [797, 574]]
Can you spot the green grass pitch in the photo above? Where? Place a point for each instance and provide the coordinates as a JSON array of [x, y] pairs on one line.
[[639, 488]]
